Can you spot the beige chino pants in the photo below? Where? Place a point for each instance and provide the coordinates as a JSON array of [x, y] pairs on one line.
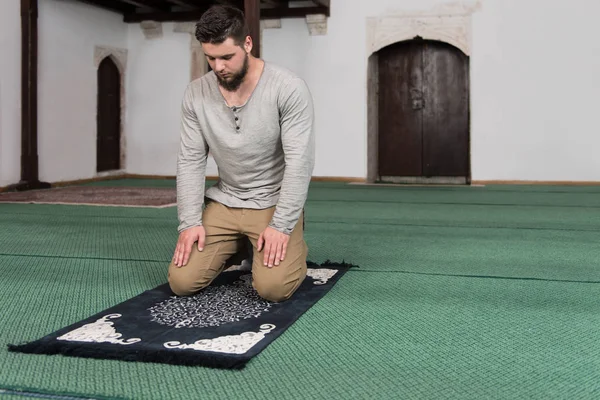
[[226, 232]]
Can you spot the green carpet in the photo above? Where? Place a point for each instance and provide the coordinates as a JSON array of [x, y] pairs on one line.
[[465, 293]]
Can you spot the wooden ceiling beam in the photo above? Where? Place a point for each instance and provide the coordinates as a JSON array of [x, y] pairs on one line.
[[184, 3], [287, 12], [235, 3], [199, 8], [116, 6], [322, 3], [151, 4], [172, 16]]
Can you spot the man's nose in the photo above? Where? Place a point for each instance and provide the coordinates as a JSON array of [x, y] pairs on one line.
[[219, 65]]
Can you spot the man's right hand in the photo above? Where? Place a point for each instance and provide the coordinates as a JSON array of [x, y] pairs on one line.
[[185, 243]]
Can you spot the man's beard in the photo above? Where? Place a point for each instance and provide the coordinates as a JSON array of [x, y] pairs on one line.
[[234, 82]]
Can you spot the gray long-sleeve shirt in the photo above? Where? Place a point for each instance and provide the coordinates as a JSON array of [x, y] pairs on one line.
[[264, 149]]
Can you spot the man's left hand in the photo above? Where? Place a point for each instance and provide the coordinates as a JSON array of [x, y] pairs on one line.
[[274, 244]]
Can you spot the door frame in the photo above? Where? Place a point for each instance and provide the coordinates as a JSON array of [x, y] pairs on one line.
[[119, 57], [449, 23], [373, 175]]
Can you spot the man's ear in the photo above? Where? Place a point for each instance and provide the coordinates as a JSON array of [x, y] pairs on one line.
[[248, 44]]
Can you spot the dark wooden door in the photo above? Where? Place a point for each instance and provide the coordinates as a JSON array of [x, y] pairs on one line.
[[423, 110], [400, 124], [108, 148]]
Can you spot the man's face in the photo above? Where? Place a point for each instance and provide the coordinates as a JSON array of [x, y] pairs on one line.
[[229, 62]]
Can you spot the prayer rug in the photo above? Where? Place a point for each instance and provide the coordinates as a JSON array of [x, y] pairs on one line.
[[96, 196], [223, 326]]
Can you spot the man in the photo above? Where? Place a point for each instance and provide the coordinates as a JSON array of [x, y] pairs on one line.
[[257, 119]]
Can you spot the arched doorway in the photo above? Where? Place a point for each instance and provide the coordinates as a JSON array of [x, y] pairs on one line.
[[422, 113], [108, 119]]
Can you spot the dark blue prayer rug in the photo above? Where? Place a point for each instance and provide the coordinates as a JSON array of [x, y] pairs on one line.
[[223, 326]]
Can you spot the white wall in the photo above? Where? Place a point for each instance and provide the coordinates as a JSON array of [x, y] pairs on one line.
[[535, 81], [535, 84], [334, 66], [159, 71], [10, 92], [68, 33]]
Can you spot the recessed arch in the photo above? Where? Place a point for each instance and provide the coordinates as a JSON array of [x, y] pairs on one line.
[[108, 118], [448, 23], [418, 113], [119, 58]]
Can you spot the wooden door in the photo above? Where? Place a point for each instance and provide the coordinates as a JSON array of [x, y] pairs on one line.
[[108, 148], [400, 121], [423, 111]]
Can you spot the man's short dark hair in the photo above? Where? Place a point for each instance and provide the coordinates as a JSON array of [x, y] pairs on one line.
[[220, 23]]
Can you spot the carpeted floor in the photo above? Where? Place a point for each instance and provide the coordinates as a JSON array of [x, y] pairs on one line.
[[465, 293]]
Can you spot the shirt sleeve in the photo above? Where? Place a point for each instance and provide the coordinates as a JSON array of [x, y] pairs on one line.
[[191, 166], [298, 142]]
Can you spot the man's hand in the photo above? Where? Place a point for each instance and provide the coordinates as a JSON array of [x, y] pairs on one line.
[[275, 245], [185, 243]]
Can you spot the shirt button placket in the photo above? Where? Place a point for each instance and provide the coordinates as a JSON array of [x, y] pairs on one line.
[[237, 120]]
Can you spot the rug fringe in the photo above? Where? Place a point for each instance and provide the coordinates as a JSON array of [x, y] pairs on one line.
[[329, 263], [172, 357]]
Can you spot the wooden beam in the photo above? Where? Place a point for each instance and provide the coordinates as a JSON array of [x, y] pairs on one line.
[[151, 4], [286, 12], [194, 15], [174, 16], [116, 6], [252, 13], [29, 98], [29, 157], [234, 3], [184, 3], [322, 3]]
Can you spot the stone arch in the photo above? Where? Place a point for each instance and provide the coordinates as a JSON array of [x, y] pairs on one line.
[[449, 23], [431, 33], [119, 57]]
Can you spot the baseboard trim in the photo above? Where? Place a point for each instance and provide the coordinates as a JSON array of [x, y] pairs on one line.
[[211, 178], [344, 179], [214, 178], [318, 179], [547, 183], [422, 180]]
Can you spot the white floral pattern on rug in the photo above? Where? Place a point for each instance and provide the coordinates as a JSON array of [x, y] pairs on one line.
[[101, 331], [321, 275], [213, 306], [231, 344]]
